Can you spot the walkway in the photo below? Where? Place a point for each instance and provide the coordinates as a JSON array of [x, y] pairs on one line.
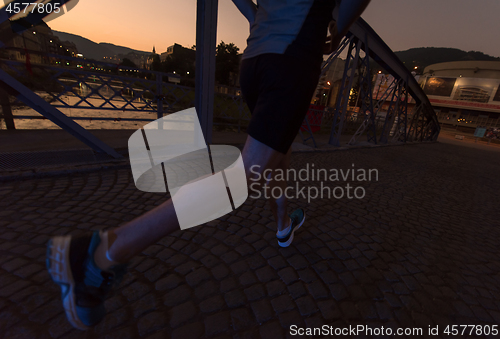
[[420, 249]]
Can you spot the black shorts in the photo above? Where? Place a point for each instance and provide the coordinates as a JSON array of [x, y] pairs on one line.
[[278, 89]]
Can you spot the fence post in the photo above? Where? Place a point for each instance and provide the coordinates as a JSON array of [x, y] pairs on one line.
[[206, 33]]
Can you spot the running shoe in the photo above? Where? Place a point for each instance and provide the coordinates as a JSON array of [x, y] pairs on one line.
[[84, 286], [297, 219]]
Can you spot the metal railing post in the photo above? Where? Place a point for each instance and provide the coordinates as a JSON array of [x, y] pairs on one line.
[[206, 33], [6, 110]]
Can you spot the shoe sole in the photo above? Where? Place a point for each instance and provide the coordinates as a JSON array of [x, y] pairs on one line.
[[58, 265], [289, 241]]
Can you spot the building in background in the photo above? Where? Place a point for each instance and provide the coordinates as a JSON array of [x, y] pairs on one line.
[[137, 58], [39, 38], [151, 58], [177, 50], [179, 60], [69, 47], [464, 94]]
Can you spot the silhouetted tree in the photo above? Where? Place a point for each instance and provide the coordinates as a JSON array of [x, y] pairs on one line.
[[226, 64], [156, 64], [177, 64]]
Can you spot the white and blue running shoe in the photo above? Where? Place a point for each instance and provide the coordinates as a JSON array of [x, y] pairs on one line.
[[297, 219], [84, 287]]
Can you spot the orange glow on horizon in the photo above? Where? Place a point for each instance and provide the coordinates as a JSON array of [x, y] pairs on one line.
[[142, 25]]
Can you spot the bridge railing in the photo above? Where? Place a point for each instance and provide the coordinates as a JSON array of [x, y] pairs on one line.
[[113, 92], [384, 117], [112, 88]]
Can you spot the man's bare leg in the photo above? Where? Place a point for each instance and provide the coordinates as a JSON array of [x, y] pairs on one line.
[[132, 238], [279, 205]]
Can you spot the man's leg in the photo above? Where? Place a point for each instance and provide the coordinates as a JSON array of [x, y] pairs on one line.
[[132, 238], [87, 267], [278, 201]]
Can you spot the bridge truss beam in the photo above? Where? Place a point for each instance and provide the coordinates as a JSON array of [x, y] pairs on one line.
[[422, 125]]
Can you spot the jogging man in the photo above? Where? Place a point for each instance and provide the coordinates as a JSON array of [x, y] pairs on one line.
[[279, 72]]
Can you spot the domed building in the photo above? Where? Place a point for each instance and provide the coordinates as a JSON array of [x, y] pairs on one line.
[[464, 94]]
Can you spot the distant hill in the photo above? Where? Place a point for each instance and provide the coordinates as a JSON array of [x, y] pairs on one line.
[[121, 50], [421, 57], [425, 56], [96, 51]]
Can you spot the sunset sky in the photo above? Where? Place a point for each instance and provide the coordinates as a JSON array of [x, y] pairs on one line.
[[403, 24]]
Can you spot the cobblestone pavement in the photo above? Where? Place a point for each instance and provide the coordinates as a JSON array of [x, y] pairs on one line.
[[419, 250]]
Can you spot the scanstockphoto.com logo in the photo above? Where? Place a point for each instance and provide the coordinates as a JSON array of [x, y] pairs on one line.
[[312, 183], [204, 182]]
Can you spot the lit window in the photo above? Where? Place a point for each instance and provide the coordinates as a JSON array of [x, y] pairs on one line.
[[474, 94]]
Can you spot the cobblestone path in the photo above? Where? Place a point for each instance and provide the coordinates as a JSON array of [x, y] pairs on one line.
[[420, 249]]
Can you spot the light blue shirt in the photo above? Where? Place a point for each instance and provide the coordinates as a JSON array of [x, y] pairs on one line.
[[276, 26]]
